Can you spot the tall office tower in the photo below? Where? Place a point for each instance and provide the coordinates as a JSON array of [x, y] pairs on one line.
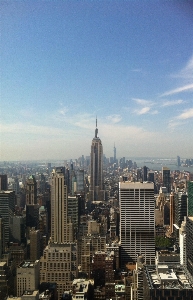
[[190, 198], [43, 220], [7, 207], [115, 158], [178, 161], [166, 178], [180, 204], [151, 176], [189, 245], [73, 211], [59, 261], [171, 212], [137, 221], [32, 208], [2, 237], [96, 177], [35, 240], [27, 277], [31, 191], [3, 182], [61, 228], [18, 229], [80, 181], [144, 173]]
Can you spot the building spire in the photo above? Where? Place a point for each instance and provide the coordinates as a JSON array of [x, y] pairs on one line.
[[96, 130]]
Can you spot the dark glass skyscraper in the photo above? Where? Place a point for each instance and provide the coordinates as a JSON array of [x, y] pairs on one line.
[[166, 179], [190, 198]]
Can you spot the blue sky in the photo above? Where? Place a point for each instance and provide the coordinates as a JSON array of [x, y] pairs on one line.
[[64, 62]]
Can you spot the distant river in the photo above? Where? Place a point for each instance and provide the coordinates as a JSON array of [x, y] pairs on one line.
[[157, 164]]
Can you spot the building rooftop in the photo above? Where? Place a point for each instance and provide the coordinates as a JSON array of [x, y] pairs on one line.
[[162, 277], [28, 264]]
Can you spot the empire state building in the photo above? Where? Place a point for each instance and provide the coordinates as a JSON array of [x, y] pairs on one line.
[[96, 178]]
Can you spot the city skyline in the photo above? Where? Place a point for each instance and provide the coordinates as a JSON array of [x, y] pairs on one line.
[[63, 63]]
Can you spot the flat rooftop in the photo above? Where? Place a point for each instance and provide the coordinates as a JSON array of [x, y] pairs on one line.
[[166, 278]]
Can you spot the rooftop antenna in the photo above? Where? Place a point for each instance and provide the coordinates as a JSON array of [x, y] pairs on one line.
[[96, 130]]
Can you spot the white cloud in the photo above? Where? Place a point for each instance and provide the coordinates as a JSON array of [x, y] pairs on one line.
[[154, 112], [173, 124], [172, 103], [181, 119], [114, 118], [187, 114], [27, 128], [137, 70], [185, 88], [142, 111], [143, 101], [63, 111], [187, 71]]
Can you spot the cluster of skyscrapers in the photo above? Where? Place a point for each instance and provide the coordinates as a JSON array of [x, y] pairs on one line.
[[97, 232]]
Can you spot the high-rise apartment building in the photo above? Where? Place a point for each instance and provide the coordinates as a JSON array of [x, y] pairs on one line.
[[96, 168], [7, 207], [166, 179], [137, 221], [61, 226]]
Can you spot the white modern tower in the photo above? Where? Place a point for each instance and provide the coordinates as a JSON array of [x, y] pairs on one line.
[[96, 176], [137, 221]]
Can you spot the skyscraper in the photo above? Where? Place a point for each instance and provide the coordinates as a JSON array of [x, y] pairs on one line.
[[59, 261], [96, 177], [61, 229], [3, 182], [189, 244], [32, 208], [115, 158], [166, 179], [178, 161], [80, 181], [137, 221], [31, 191], [190, 198], [7, 207], [144, 173]]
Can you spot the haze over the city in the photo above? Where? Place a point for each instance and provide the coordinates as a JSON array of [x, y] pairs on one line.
[[64, 62]]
